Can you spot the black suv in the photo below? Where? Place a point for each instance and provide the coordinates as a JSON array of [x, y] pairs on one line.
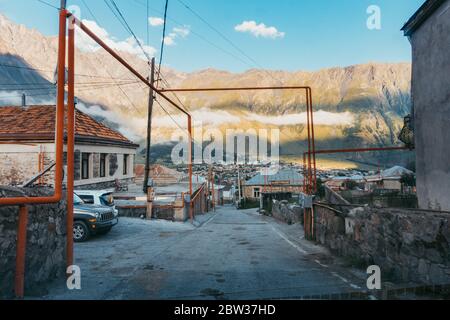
[[91, 219]]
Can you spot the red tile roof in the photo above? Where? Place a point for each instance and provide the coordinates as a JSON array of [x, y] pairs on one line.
[[38, 123]]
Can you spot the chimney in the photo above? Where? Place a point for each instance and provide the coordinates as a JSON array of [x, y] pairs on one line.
[[24, 100]]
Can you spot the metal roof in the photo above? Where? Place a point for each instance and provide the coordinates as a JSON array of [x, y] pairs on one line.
[[421, 15], [290, 175]]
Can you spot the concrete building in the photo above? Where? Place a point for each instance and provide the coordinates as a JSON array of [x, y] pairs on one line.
[[103, 156], [389, 179], [286, 181], [429, 33]]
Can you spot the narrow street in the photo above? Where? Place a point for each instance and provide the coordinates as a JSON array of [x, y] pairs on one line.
[[231, 255]]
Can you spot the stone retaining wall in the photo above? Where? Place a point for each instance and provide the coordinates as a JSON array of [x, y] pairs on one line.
[[46, 243], [286, 212], [407, 245]]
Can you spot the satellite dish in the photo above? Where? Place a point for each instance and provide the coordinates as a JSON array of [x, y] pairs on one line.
[[55, 76]]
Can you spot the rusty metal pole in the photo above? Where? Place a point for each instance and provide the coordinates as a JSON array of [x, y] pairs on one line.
[[191, 213], [313, 142], [213, 191], [21, 252], [304, 173], [59, 127], [70, 142], [309, 144]]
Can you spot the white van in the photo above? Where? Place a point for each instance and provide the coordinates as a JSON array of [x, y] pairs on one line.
[[98, 197]]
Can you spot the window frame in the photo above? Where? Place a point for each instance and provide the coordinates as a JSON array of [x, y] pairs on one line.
[[85, 161], [125, 170], [102, 169]]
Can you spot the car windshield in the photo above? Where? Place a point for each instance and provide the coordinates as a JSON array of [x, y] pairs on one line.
[[77, 199], [107, 199]]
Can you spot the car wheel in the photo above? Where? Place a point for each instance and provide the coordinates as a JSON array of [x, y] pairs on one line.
[[80, 231], [104, 231]]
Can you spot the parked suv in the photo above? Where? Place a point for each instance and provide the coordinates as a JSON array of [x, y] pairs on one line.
[[98, 197], [91, 219]]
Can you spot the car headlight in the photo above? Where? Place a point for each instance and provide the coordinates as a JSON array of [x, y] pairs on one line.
[[97, 215]]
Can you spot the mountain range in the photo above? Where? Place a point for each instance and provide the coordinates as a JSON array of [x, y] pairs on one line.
[[355, 106]]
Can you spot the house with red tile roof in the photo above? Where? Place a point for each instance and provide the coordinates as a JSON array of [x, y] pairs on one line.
[[103, 156]]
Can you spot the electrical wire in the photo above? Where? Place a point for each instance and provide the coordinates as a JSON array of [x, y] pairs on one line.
[[201, 37], [174, 121], [184, 4], [52, 71], [107, 71], [124, 22], [163, 37], [48, 4]]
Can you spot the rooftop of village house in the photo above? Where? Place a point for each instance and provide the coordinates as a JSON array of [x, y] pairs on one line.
[[37, 122]]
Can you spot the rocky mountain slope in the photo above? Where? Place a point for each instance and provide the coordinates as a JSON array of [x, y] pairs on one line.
[[358, 105]]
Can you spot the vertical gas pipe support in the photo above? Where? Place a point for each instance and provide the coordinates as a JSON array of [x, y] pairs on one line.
[[21, 247], [191, 209], [308, 121], [314, 177], [70, 141]]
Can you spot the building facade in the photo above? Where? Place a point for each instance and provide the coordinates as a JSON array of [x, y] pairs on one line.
[[429, 33], [286, 181], [103, 156]]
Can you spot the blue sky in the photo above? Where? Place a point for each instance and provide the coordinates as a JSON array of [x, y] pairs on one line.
[[297, 34]]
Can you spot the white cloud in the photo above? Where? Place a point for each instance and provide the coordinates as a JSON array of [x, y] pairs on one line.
[[170, 40], [259, 30], [320, 118], [130, 45], [182, 32], [176, 33], [205, 116], [155, 21], [133, 128]]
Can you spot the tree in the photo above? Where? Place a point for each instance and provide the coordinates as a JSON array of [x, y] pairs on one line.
[[350, 184], [408, 180], [320, 188]]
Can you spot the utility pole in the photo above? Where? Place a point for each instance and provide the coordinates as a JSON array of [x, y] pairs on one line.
[[149, 125]]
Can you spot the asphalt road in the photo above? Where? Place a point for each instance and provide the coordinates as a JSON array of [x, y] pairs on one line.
[[232, 255]]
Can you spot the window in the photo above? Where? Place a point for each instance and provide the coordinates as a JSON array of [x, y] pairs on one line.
[[107, 199], [85, 157], [103, 165], [256, 192], [88, 199], [125, 164]]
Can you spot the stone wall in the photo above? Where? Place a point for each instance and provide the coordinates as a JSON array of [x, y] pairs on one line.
[[407, 245], [46, 243], [286, 212]]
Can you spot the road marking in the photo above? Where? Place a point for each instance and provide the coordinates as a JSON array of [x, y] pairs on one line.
[[282, 236], [354, 286], [212, 218], [339, 277], [321, 264]]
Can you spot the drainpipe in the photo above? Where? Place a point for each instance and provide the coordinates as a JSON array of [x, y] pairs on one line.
[[24, 100]]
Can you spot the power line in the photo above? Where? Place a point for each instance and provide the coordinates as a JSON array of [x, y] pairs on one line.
[[147, 23], [201, 37], [107, 71], [225, 38], [174, 121], [124, 22], [52, 71], [174, 94], [163, 37], [48, 4], [89, 9]]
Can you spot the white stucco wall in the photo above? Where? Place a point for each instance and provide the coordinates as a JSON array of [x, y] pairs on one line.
[[19, 162]]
